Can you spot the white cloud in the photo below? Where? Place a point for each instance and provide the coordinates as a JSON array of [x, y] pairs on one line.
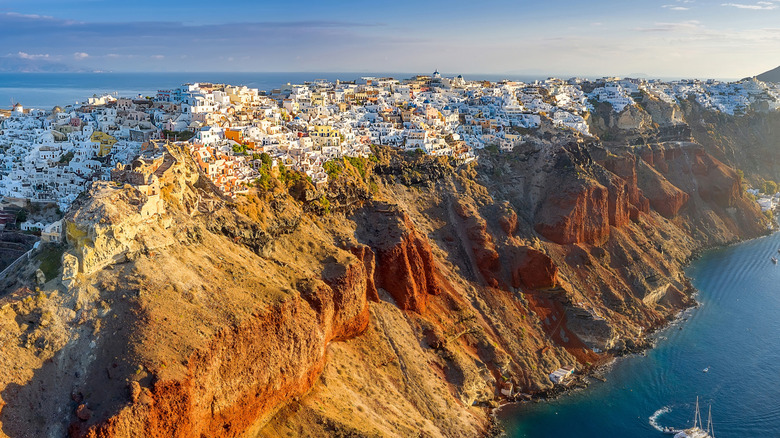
[[24, 55], [29, 16], [757, 6], [81, 55], [676, 8], [688, 25]]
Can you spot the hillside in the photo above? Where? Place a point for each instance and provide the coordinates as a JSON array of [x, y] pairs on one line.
[[399, 300], [770, 76]]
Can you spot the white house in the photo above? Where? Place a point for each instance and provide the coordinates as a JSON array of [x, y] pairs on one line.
[[210, 134], [31, 226], [52, 232], [561, 374]]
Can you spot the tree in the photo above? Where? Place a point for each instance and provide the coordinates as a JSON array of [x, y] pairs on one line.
[[266, 159], [770, 187], [65, 159]]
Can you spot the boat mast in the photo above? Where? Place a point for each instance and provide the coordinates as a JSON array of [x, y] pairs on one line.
[[696, 415]]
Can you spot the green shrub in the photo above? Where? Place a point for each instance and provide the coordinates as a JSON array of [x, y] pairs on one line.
[[288, 176], [770, 187], [264, 180], [178, 135], [266, 159], [325, 204], [333, 168], [359, 164], [239, 149], [65, 159]]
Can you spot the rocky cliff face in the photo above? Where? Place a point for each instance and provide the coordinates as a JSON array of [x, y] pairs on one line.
[[577, 213], [748, 142], [169, 333], [520, 302], [400, 260], [427, 288]]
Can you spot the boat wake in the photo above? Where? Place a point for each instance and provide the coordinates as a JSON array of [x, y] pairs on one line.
[[657, 414]]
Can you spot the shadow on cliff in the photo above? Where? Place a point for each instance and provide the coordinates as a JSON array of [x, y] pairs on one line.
[[84, 381], [401, 260], [23, 414]]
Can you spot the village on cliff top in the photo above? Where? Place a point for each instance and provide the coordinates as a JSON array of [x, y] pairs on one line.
[[236, 133]]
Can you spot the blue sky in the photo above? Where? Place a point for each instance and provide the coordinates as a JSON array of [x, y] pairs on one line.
[[672, 38]]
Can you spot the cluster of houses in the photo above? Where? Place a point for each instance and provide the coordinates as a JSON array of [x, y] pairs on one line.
[[733, 98], [52, 156], [767, 201]]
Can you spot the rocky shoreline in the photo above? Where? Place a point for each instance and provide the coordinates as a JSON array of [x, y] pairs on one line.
[[600, 372]]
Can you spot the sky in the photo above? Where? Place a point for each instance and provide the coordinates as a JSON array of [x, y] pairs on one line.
[[664, 39]]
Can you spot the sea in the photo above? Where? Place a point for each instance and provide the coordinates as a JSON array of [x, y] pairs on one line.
[[46, 90], [734, 333]]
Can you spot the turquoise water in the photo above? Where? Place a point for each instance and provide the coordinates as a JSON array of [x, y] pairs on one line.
[[735, 332], [45, 90]]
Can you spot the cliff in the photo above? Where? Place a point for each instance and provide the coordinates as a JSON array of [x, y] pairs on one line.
[[747, 142], [401, 309], [770, 76], [164, 337]]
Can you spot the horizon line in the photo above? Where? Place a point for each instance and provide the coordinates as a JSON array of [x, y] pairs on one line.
[[541, 76]]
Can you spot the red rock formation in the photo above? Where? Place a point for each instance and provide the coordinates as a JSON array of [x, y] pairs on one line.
[[408, 273], [481, 242], [508, 221], [624, 166], [717, 183], [664, 197], [485, 254], [633, 212], [534, 269], [236, 381], [659, 158], [405, 267], [618, 202], [575, 213], [364, 254]]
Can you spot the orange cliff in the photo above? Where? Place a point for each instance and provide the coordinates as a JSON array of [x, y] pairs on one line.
[[576, 212], [233, 383], [534, 269], [662, 177], [183, 328], [218, 380], [401, 261]]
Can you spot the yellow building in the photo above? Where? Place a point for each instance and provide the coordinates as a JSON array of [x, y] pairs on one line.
[[318, 98], [513, 138], [324, 135], [106, 142]]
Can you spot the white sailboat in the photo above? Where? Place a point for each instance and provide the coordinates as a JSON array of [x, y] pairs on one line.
[[696, 431]]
